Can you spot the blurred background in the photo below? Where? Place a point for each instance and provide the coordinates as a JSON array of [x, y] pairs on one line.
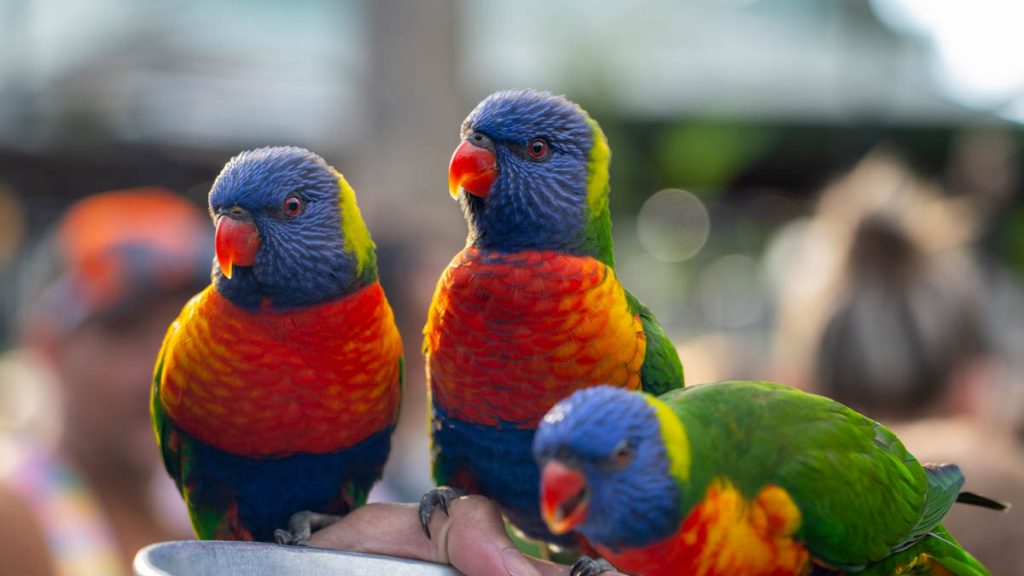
[[825, 194]]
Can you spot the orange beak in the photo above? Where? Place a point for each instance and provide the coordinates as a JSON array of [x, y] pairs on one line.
[[563, 497], [473, 169], [236, 243]]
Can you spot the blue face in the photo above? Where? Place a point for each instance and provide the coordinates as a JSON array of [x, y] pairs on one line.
[[291, 195], [613, 437], [538, 201]]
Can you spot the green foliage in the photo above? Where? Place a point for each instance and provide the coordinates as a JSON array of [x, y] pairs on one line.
[[706, 155]]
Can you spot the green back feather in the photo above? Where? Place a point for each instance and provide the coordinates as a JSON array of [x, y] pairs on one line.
[[861, 494]]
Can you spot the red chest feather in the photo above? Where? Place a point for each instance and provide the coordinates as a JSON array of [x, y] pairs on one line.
[[726, 535], [267, 382], [509, 335]]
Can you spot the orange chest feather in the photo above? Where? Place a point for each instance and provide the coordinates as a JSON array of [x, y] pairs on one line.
[[510, 334], [262, 382], [726, 535]]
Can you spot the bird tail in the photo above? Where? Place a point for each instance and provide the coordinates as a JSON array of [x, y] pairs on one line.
[[983, 501]]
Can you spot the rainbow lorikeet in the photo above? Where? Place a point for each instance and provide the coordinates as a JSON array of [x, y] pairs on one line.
[[277, 388], [531, 309], [748, 478]]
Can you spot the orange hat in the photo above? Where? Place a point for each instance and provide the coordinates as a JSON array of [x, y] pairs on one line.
[[116, 250]]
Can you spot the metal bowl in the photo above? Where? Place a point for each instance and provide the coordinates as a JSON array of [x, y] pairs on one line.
[[218, 558]]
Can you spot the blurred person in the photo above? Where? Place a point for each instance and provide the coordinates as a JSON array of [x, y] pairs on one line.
[[100, 292], [905, 337], [882, 305], [806, 260]]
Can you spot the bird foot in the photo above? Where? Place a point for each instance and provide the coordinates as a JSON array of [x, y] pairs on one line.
[[587, 566], [302, 525], [439, 497]]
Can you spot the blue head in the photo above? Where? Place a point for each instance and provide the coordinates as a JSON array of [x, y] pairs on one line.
[[288, 230], [533, 173], [607, 470]]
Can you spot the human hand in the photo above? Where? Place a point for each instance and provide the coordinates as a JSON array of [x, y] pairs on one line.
[[471, 538]]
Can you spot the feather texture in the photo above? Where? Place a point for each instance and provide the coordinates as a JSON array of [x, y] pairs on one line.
[[531, 310], [510, 334], [779, 482], [276, 390], [265, 383]]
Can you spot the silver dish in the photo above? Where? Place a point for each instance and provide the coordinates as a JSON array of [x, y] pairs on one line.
[[219, 558]]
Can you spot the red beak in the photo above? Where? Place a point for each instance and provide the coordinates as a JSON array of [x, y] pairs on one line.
[[473, 169], [237, 242], [563, 497]]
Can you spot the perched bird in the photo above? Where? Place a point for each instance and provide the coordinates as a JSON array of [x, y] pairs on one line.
[[277, 388], [748, 478], [531, 309]]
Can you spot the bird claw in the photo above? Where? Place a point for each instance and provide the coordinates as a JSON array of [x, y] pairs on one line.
[[587, 566], [439, 497], [284, 537], [301, 526]]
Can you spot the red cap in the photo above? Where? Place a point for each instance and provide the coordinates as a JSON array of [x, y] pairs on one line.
[[116, 249]]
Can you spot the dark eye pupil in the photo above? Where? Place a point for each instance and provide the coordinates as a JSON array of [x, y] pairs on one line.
[[624, 453], [292, 206], [538, 148]]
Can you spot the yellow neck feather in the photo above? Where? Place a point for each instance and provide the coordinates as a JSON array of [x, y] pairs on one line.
[[677, 445], [597, 165], [357, 235]]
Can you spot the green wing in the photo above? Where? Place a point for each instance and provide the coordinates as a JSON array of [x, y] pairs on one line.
[[177, 451], [944, 483], [861, 494], [169, 443], [661, 370]]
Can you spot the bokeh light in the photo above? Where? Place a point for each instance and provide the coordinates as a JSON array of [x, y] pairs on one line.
[[673, 225], [730, 291], [976, 45]]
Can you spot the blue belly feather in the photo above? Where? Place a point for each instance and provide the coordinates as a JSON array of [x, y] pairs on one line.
[[267, 491], [497, 462]]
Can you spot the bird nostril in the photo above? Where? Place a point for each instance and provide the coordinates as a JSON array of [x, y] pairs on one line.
[[480, 140]]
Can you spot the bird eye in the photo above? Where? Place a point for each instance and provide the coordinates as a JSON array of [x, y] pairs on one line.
[[622, 455], [537, 148], [293, 206]]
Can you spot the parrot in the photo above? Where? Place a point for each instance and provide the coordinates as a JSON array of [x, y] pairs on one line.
[[276, 389], [531, 309], [740, 477]]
